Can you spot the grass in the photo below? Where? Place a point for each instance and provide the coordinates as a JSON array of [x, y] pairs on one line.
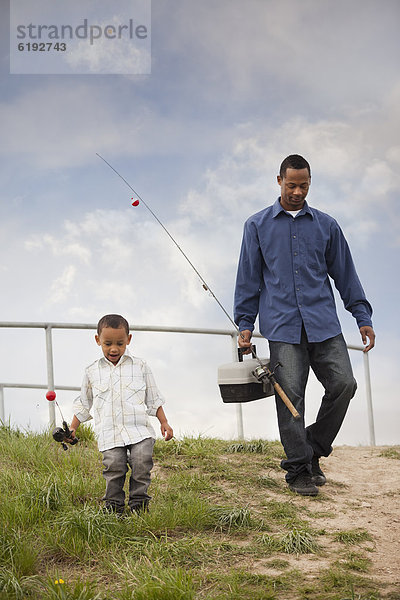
[[356, 561], [295, 541], [222, 526], [256, 447], [234, 517], [391, 453], [353, 536]]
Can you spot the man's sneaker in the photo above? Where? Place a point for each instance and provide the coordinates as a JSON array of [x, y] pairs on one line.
[[318, 476], [303, 484]]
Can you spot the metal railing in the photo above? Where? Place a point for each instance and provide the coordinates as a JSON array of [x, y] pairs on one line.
[[233, 334]]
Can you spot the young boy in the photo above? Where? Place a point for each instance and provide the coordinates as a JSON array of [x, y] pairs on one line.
[[122, 392]]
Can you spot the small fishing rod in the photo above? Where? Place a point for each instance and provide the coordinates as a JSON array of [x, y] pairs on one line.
[[61, 434], [262, 372]]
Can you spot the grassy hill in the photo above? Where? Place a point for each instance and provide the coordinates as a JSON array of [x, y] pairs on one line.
[[222, 525]]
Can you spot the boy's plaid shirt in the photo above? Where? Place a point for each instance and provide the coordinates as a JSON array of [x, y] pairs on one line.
[[122, 396]]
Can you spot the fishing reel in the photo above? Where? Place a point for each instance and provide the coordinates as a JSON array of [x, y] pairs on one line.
[[63, 434], [262, 373]]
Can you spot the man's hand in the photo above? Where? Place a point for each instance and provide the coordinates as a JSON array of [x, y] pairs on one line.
[[244, 340], [367, 335]]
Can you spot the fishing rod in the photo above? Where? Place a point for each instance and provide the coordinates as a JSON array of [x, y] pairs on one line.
[[205, 284], [262, 372], [61, 434]]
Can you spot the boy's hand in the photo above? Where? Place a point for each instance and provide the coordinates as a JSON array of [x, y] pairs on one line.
[[166, 431], [74, 426], [73, 436]]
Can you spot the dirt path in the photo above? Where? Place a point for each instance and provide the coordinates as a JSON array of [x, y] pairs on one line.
[[362, 492], [370, 500]]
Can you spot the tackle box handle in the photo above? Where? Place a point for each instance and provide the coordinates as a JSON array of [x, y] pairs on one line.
[[241, 352]]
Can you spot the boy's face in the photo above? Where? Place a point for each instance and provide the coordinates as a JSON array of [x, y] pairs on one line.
[[113, 342]]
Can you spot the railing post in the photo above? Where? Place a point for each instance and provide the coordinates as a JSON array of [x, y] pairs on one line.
[[2, 414], [239, 410], [50, 374], [369, 400]]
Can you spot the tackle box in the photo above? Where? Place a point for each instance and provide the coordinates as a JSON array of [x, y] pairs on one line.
[[238, 384]]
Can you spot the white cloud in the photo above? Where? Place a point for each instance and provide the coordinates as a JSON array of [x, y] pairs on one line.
[[353, 166], [327, 55], [61, 287], [59, 247], [237, 64], [116, 55], [353, 174], [72, 123]]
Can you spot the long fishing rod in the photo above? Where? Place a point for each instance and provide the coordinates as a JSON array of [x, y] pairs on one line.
[[262, 372], [205, 284]]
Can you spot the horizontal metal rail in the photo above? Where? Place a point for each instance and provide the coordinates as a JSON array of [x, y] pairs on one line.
[[155, 328], [40, 386], [232, 333]]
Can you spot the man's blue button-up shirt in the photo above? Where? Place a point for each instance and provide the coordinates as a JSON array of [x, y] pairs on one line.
[[283, 274]]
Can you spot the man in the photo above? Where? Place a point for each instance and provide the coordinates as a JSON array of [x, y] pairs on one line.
[[288, 251]]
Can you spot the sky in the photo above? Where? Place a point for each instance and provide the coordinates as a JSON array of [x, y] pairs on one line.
[[234, 88]]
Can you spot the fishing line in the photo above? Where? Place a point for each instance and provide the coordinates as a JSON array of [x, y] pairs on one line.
[[205, 284], [62, 416], [262, 372], [51, 397]]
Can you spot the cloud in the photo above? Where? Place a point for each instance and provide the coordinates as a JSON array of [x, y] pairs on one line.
[[32, 128], [61, 287], [116, 55], [58, 126], [354, 173], [58, 247], [353, 185], [299, 55], [125, 261], [228, 65]]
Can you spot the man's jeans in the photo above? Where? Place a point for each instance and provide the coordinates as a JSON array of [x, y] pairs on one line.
[[140, 458], [331, 364]]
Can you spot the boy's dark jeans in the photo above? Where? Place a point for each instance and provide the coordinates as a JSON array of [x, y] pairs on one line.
[[116, 460], [331, 364]]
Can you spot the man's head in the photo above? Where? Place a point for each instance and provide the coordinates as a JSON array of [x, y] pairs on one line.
[[295, 180], [113, 336]]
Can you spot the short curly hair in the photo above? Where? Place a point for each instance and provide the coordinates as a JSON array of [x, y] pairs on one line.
[[114, 321], [294, 161]]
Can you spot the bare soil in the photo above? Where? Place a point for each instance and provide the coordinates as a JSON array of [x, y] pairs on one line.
[[370, 500], [362, 493]]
